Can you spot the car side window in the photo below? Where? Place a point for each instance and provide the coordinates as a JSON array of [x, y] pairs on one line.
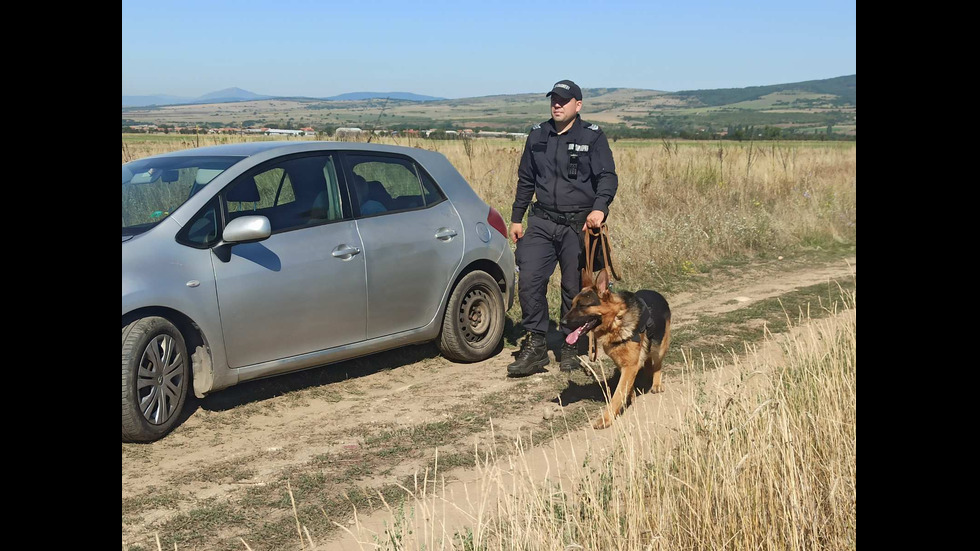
[[202, 230], [292, 193], [384, 184], [430, 191]]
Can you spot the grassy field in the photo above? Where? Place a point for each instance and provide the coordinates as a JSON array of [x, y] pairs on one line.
[[681, 207], [763, 457], [765, 461]]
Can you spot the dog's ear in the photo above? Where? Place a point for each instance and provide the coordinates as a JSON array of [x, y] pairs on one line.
[[602, 283], [587, 278]]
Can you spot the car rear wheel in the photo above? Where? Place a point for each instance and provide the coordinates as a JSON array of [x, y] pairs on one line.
[[473, 326], [155, 377]]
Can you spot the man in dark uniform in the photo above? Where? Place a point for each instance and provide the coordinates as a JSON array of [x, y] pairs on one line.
[[568, 165]]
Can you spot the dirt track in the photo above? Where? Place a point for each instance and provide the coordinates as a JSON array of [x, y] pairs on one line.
[[255, 435]]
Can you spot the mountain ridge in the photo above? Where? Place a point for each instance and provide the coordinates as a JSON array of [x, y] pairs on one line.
[[844, 86]]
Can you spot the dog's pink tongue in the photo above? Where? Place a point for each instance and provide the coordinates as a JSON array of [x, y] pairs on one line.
[[574, 335]]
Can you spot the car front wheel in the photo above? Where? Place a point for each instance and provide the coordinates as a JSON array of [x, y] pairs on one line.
[[155, 377], [473, 325]]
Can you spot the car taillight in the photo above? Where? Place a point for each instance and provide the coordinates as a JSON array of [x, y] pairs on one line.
[[497, 221]]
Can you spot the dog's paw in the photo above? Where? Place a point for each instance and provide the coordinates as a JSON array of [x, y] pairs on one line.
[[602, 423], [657, 389]]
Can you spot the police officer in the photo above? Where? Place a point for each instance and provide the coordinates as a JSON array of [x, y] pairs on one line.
[[568, 166]]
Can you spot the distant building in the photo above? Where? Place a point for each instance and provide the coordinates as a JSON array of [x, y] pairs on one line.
[[143, 127], [495, 134], [349, 132]]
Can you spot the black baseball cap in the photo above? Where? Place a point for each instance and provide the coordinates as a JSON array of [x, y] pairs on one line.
[[566, 89]]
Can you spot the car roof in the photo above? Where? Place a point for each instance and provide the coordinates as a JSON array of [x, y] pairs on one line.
[[247, 149]]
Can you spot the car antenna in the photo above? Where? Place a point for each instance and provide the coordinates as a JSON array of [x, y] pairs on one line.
[[371, 134]]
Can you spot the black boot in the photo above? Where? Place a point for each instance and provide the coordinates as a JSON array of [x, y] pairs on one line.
[[569, 357], [532, 357]]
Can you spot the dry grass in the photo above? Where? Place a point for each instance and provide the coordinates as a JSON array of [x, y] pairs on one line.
[[681, 207], [764, 457]]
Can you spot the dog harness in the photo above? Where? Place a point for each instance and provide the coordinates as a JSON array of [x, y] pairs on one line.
[[646, 320], [643, 325]]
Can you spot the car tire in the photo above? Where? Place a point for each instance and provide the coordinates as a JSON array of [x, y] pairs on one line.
[[155, 378], [473, 326]]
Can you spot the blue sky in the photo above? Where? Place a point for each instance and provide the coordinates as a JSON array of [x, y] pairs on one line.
[[458, 49]]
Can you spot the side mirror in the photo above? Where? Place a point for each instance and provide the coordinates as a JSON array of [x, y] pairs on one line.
[[246, 229]]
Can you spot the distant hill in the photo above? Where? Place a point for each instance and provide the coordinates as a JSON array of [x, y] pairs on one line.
[[382, 95], [825, 109], [159, 99], [221, 96], [845, 88], [229, 94], [237, 94]]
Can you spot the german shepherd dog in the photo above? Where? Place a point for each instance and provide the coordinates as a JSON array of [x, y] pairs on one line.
[[632, 328]]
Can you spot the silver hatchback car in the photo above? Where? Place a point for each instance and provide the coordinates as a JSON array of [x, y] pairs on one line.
[[245, 261]]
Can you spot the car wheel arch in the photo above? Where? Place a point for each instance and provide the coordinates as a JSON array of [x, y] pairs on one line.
[[198, 350], [483, 265]]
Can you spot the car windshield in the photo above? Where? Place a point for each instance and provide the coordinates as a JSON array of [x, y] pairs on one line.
[[154, 188]]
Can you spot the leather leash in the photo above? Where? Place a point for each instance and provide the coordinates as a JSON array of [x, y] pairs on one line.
[[595, 240]]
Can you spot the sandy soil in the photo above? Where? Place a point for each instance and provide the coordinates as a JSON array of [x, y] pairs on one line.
[[250, 436]]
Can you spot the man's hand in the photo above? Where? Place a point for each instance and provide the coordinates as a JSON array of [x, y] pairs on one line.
[[516, 231], [594, 220]]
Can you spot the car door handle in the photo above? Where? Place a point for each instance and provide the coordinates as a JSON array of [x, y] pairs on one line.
[[345, 252], [445, 234]]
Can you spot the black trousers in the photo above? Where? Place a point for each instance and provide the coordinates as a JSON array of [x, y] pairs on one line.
[[546, 244]]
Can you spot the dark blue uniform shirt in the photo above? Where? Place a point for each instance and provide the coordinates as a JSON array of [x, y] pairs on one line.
[[544, 170]]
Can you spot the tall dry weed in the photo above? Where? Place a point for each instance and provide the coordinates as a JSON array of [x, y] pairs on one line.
[[759, 453]]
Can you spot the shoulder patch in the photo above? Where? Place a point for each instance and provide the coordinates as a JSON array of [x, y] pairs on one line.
[[593, 127], [536, 126]]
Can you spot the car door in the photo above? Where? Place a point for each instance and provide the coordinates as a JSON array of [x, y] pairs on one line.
[[412, 236], [303, 289]]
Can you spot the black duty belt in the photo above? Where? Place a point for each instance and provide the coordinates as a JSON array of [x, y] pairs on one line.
[[565, 218]]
